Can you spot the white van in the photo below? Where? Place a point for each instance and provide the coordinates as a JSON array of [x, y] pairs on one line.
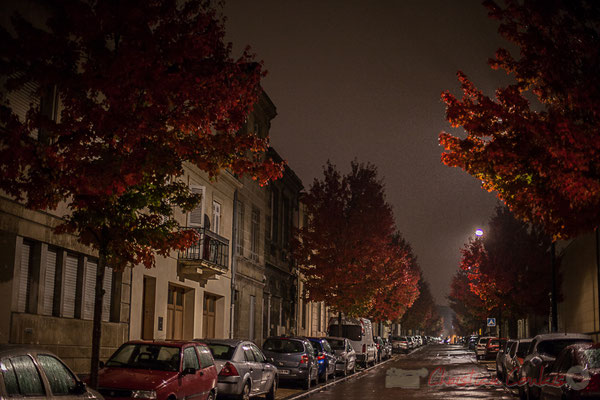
[[360, 333]]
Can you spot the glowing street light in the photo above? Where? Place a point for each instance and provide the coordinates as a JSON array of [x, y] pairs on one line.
[[479, 232]]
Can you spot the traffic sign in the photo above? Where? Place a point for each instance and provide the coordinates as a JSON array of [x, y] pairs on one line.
[[491, 322]]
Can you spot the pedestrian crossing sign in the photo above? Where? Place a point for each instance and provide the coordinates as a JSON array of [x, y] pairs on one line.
[[491, 322]]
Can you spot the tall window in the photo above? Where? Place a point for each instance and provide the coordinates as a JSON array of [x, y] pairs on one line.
[[286, 223], [196, 216], [216, 217], [25, 277], [239, 234], [49, 282], [254, 234], [275, 215]]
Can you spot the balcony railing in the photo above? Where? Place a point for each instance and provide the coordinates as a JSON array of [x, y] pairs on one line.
[[210, 250]]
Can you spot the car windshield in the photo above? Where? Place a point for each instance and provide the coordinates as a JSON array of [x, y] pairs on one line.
[[522, 349], [553, 347], [352, 332], [494, 342], [283, 346], [146, 356], [337, 344], [221, 351], [592, 358]]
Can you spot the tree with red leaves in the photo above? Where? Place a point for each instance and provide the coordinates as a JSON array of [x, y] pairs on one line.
[[144, 87], [399, 290], [346, 251], [507, 268], [537, 143], [423, 314], [470, 311]]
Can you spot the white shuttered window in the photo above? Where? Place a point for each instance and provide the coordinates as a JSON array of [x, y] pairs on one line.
[[24, 281], [107, 286], [89, 292], [196, 216], [70, 287], [49, 282]]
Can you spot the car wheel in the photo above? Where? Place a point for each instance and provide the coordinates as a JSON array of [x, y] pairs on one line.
[[272, 392], [245, 395]]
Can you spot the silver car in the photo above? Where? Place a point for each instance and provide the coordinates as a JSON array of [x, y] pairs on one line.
[[346, 356], [243, 369], [37, 373]]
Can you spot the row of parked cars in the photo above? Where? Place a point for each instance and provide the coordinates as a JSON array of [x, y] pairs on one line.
[[550, 366], [164, 370], [405, 344]]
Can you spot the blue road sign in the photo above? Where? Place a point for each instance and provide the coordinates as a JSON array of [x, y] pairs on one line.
[[491, 322]]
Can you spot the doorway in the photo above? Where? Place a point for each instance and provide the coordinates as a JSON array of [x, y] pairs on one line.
[[175, 312], [209, 316], [148, 303]]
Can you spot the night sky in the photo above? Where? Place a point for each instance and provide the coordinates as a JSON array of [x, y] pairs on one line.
[[362, 79]]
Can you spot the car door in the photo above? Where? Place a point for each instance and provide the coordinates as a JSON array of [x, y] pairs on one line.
[[22, 380], [208, 375], [254, 367], [350, 355], [268, 371], [191, 383]]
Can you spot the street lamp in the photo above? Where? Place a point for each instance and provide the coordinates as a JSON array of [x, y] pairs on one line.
[[479, 232]]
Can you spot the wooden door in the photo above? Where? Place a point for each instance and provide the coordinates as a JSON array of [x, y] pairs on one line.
[[209, 318], [175, 312], [149, 296]]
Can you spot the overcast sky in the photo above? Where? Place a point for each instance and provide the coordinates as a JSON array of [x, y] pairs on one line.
[[362, 79]]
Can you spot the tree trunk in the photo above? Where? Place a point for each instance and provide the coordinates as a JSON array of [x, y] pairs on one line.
[[97, 326], [339, 324]]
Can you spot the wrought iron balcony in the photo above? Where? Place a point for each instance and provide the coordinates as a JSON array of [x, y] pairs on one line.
[[208, 257]]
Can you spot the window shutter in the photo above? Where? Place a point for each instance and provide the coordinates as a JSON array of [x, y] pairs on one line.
[[196, 215], [106, 299], [20, 100], [89, 292], [24, 281], [70, 287], [49, 282]]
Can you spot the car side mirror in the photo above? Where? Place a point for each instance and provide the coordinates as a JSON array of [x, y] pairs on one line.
[[188, 371], [101, 364], [80, 388]]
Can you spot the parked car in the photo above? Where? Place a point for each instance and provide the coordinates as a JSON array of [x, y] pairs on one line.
[[541, 354], [294, 358], [400, 344], [387, 348], [472, 343], [493, 347], [501, 357], [159, 370], [325, 357], [360, 333], [27, 371], [345, 355], [412, 342], [513, 360], [243, 370], [481, 345], [575, 365]]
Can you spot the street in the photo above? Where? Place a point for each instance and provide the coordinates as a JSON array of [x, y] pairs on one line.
[[432, 372]]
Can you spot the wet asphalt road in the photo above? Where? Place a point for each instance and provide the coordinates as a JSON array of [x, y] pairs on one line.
[[431, 372]]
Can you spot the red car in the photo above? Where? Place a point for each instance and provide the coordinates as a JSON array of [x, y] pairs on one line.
[[159, 370], [493, 347]]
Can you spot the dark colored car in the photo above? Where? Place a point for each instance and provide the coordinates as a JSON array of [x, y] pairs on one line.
[[243, 369], [29, 372], [345, 355], [159, 370], [575, 374], [542, 354], [501, 359], [325, 357], [294, 358], [514, 359]]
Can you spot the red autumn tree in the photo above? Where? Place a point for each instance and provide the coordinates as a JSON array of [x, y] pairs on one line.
[[144, 87], [507, 267], [537, 142], [423, 312], [345, 247], [398, 291], [470, 311]]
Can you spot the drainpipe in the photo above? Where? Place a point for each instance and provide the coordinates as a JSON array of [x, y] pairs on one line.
[[598, 274], [233, 263], [554, 313]]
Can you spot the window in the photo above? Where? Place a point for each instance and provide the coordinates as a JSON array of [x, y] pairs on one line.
[[106, 299], [239, 233], [49, 282], [275, 215], [196, 216], [206, 358], [25, 278], [254, 232], [70, 286], [89, 286], [60, 378], [258, 355], [216, 217], [21, 377], [248, 354], [190, 358]]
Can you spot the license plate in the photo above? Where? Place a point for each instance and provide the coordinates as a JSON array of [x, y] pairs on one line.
[[284, 371]]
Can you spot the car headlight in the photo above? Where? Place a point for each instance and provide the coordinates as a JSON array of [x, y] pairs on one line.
[[143, 394]]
